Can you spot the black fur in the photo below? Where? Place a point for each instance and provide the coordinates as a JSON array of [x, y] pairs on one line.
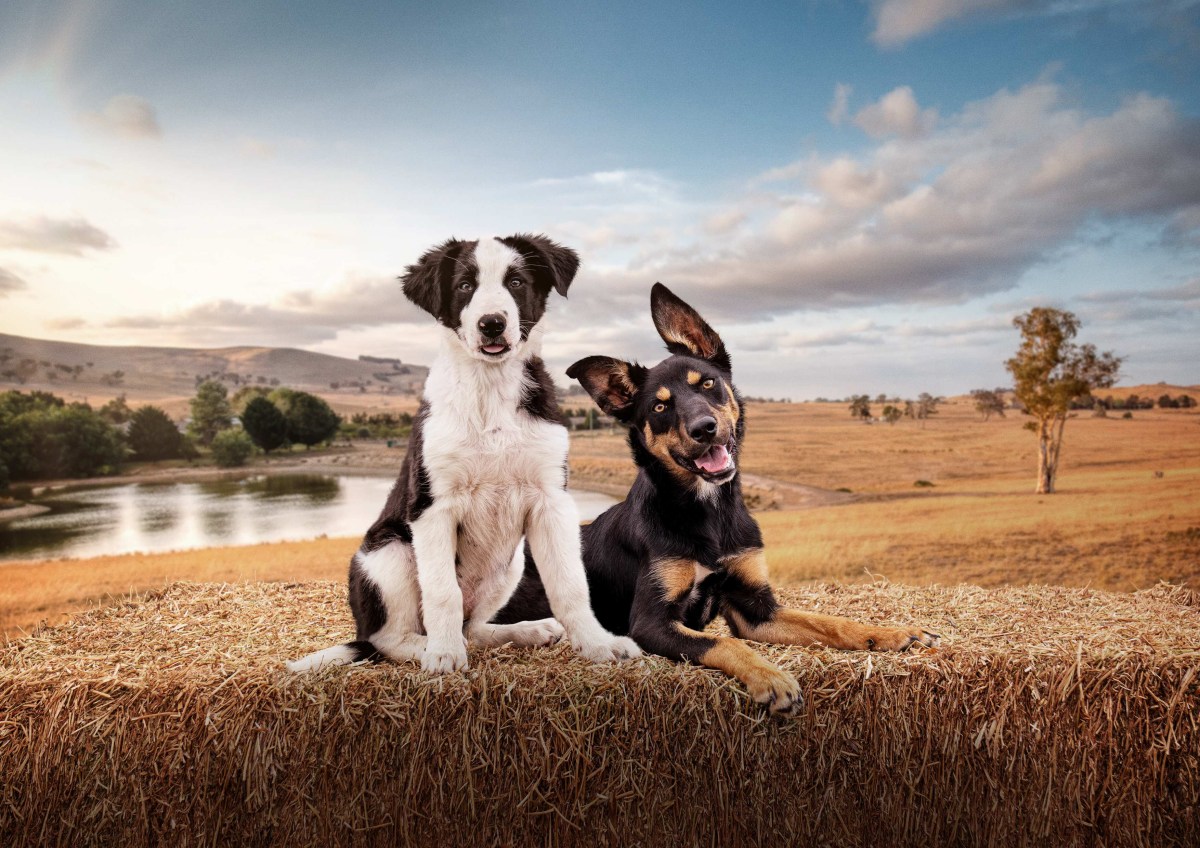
[[669, 513], [540, 399], [443, 280], [553, 266]]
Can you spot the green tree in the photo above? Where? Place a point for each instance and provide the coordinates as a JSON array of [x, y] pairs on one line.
[[1050, 371], [211, 412], [892, 414], [860, 407], [152, 435], [264, 423], [116, 411], [242, 397], [42, 437], [310, 420], [231, 448]]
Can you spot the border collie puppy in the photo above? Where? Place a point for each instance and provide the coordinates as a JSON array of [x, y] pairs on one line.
[[682, 548], [485, 468]]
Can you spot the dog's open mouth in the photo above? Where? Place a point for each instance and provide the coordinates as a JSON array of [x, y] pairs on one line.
[[715, 462], [494, 348]]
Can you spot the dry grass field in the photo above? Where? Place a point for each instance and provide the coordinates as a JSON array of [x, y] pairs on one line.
[[1113, 525]]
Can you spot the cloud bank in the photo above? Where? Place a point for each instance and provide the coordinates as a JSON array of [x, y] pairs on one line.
[[941, 210], [66, 236]]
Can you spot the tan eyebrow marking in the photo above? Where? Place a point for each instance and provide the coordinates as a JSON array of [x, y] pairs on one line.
[[663, 393], [693, 377]]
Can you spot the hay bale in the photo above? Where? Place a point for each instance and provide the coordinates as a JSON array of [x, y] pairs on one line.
[[1051, 716]]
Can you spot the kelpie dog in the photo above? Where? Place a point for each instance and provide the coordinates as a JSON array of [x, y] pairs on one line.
[[682, 548]]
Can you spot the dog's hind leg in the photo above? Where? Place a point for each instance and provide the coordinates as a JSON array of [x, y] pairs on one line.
[[750, 608]]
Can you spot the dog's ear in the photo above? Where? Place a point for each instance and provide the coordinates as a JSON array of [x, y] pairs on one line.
[[684, 331], [612, 383], [425, 283], [553, 266]]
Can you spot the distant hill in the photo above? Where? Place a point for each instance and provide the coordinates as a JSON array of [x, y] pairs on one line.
[[1151, 390], [169, 375]]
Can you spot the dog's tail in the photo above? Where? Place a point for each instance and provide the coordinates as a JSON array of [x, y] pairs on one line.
[[347, 654]]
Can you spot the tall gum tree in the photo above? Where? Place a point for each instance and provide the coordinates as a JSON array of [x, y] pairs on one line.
[[1049, 372]]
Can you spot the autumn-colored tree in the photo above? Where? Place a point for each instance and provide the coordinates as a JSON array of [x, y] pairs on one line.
[[988, 402], [1049, 372]]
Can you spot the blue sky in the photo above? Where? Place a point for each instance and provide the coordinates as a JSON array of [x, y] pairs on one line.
[[859, 196]]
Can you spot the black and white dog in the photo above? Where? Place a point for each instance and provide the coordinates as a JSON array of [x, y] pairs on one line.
[[486, 467]]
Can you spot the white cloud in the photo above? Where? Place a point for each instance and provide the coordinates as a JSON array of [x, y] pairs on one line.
[[305, 316], [126, 116], [896, 113], [945, 216], [10, 282], [899, 21], [69, 236]]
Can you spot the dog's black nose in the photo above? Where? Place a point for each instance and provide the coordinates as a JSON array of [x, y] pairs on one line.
[[703, 429], [492, 325]]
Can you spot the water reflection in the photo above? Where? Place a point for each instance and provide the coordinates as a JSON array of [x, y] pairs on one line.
[[172, 516]]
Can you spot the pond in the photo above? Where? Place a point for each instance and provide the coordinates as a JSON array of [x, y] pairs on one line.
[[149, 517]]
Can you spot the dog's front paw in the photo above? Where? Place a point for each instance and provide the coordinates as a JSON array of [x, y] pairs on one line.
[[443, 662], [608, 648], [899, 638], [775, 689]]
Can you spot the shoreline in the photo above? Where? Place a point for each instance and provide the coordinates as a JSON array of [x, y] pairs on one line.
[[323, 463], [24, 511]]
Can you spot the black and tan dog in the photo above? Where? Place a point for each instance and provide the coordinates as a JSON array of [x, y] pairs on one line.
[[682, 548]]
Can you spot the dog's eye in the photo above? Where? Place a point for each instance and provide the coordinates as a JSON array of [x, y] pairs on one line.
[[465, 286], [515, 283], [708, 384], [660, 407]]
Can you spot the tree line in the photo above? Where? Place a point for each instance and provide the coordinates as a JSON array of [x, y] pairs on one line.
[[919, 410], [44, 437]]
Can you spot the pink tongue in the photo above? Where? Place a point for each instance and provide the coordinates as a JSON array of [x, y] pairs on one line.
[[493, 348], [715, 460]]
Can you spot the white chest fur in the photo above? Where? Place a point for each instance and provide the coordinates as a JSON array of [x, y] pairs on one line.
[[476, 437]]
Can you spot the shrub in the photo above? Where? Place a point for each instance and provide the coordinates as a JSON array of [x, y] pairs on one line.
[[310, 420], [231, 448], [264, 423], [153, 435]]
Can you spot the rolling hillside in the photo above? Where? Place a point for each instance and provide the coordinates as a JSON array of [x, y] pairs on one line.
[[168, 376]]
